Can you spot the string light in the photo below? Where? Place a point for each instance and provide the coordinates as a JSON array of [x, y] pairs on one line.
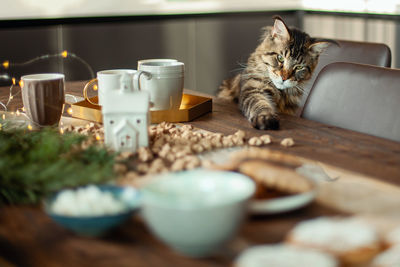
[[30, 127], [6, 64], [95, 87], [69, 111], [61, 131], [4, 116]]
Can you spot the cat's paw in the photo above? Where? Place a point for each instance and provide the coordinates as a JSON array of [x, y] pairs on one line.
[[265, 121]]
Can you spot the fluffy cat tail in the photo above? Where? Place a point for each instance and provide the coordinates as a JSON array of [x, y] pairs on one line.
[[230, 89]]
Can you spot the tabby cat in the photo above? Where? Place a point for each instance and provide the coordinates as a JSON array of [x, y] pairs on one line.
[[272, 81]]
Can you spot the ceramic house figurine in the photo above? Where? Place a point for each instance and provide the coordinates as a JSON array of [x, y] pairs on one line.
[[126, 117]]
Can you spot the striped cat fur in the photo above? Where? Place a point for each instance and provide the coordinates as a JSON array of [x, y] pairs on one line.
[[271, 82]]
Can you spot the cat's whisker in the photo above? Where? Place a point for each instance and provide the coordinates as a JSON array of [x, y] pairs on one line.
[[300, 89], [250, 74], [243, 65]]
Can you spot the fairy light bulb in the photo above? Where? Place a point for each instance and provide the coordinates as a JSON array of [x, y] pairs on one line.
[[61, 131], [3, 117], [64, 53], [95, 87], [21, 83], [30, 127], [69, 111], [17, 112], [13, 81], [6, 64], [98, 138]]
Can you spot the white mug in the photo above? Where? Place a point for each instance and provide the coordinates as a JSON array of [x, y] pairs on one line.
[[164, 81], [161, 60], [110, 80]]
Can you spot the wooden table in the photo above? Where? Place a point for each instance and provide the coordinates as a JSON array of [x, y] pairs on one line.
[[29, 238]]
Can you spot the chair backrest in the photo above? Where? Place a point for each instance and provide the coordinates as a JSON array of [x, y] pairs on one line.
[[358, 97], [377, 54]]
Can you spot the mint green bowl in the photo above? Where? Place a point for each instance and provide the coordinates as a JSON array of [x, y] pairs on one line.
[[196, 212]]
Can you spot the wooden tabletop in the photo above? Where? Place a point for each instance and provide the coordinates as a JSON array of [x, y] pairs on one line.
[[29, 238]]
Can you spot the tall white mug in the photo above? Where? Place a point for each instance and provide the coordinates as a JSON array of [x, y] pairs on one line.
[[157, 60], [164, 81], [110, 80]]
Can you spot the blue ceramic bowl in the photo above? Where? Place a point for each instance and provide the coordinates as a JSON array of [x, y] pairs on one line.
[[96, 225]]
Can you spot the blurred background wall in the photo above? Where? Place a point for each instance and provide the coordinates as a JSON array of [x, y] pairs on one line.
[[212, 45]]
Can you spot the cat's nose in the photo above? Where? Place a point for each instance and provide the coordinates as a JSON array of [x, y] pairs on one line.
[[285, 75]]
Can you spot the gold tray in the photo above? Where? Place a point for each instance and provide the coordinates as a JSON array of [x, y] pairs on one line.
[[192, 107]]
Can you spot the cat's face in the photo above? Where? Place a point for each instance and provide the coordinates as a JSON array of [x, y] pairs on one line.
[[288, 57]]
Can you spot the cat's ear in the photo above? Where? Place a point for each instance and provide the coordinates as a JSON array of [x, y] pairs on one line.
[[320, 45], [280, 29]]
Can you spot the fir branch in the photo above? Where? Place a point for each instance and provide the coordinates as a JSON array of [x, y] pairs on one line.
[[34, 164]]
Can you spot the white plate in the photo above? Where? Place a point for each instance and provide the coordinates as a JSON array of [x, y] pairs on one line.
[[282, 204]]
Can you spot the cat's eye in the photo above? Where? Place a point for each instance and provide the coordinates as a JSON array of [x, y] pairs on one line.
[[280, 58]]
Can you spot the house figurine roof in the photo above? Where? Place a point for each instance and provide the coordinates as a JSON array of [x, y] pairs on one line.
[[119, 101]]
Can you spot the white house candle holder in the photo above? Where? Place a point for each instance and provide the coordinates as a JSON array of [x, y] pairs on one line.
[[126, 117]]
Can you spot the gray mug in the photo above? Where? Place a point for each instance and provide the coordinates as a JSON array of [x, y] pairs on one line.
[[43, 97]]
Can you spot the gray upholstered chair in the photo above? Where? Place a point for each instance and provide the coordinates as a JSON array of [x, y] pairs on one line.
[[358, 97], [377, 54]]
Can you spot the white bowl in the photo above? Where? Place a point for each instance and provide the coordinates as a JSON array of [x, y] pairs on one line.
[[196, 212]]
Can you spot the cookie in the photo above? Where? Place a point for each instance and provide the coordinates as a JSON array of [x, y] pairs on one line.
[[275, 176], [266, 154], [352, 241], [283, 256], [388, 258], [392, 238]]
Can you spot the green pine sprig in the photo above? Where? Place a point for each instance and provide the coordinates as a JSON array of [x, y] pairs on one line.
[[34, 164]]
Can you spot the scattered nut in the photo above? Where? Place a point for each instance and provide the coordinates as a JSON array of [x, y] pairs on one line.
[[144, 154], [266, 139], [287, 142], [171, 148], [120, 168], [255, 141]]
